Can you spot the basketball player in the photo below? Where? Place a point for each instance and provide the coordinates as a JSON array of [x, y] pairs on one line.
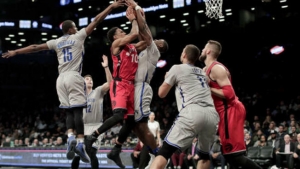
[[197, 114], [231, 111], [125, 63], [147, 60], [93, 114], [70, 84]]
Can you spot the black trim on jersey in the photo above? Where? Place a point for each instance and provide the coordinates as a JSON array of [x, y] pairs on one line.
[[117, 78], [226, 119]]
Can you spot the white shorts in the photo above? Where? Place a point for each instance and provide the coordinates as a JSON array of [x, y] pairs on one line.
[[70, 88], [192, 121], [142, 99], [89, 128]]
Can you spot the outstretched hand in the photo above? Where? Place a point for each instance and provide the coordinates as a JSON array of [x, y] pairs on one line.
[[131, 3], [9, 54], [105, 61], [130, 14], [118, 3]]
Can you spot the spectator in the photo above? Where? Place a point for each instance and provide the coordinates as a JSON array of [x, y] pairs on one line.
[[273, 140], [286, 151], [136, 156], [191, 154], [297, 152], [262, 142], [59, 142], [248, 140], [177, 159], [215, 155], [154, 128]]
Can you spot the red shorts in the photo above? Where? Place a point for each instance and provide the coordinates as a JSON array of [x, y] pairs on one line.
[[122, 96], [231, 128]]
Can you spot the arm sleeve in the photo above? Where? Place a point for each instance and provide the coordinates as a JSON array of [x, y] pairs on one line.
[[81, 35], [51, 44], [153, 53], [171, 76], [228, 91]]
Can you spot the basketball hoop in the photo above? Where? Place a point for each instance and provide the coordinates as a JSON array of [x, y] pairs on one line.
[[213, 8]]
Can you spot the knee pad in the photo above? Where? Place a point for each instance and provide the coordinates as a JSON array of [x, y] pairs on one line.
[[166, 150], [202, 155]]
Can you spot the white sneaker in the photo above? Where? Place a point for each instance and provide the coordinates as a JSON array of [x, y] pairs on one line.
[[150, 162]]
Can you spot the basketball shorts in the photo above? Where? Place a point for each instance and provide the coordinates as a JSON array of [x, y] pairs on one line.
[[71, 90], [89, 128], [194, 121], [122, 96], [142, 99], [231, 129]]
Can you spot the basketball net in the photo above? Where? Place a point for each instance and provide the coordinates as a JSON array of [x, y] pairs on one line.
[[213, 8]]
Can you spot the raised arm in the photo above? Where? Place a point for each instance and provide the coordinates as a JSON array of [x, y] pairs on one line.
[[129, 37], [28, 49], [105, 86], [143, 27], [101, 16]]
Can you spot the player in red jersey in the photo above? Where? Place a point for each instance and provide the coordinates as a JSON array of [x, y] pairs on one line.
[[125, 64], [231, 111]]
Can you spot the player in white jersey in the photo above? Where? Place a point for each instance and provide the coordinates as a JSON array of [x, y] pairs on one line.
[[147, 60], [70, 84], [197, 114], [93, 113]]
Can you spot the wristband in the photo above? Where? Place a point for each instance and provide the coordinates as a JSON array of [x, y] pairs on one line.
[[137, 8], [133, 20], [105, 66]]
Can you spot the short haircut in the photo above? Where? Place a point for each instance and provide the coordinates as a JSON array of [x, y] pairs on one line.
[[217, 47], [165, 47], [88, 75], [192, 52], [66, 25], [111, 34]]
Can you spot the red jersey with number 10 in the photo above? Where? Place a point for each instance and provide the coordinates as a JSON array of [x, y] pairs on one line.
[[125, 63]]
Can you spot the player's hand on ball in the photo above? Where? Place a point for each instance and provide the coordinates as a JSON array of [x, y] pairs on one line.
[[105, 61], [9, 54], [130, 14]]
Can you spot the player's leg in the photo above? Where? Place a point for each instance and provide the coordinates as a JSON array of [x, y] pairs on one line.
[[143, 132], [62, 93], [180, 136], [119, 107], [75, 162], [206, 129], [92, 151], [161, 160], [94, 159], [232, 139], [142, 99], [127, 127], [77, 97], [240, 160]]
